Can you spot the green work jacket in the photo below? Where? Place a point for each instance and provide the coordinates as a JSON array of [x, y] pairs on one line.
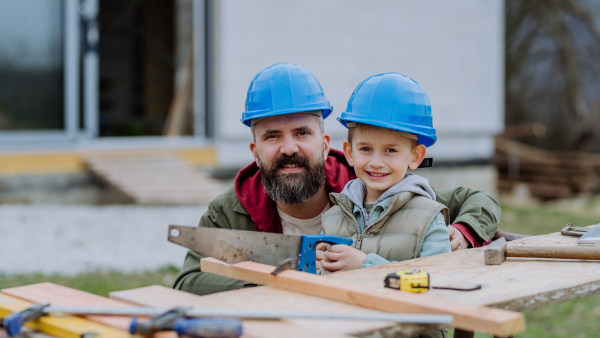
[[471, 207]]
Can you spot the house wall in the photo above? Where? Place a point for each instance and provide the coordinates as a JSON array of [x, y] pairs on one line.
[[453, 49]]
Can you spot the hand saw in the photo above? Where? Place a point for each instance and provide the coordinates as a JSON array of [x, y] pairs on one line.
[[235, 246]]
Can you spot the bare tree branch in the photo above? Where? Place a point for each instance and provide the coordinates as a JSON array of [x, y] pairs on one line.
[[567, 52]]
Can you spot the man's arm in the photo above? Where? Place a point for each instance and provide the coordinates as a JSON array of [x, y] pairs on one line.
[[479, 212], [191, 278]]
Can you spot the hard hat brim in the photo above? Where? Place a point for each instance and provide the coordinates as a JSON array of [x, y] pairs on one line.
[[426, 138], [248, 116]]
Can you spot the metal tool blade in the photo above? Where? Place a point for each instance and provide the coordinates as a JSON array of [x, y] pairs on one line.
[[253, 314], [235, 246], [590, 237]]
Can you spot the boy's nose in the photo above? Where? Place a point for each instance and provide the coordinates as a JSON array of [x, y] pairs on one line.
[[376, 161]]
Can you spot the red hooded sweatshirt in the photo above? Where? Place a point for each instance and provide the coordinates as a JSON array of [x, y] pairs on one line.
[[263, 210]]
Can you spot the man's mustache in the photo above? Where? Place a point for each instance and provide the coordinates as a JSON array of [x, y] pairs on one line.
[[290, 159]]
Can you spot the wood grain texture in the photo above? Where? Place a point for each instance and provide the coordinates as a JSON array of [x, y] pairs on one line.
[[469, 317], [57, 295], [518, 284], [159, 179], [59, 326], [162, 297], [28, 163]]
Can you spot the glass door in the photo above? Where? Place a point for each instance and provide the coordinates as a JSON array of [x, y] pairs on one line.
[[39, 62]]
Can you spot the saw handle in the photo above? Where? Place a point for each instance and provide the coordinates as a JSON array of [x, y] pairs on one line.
[[308, 253]]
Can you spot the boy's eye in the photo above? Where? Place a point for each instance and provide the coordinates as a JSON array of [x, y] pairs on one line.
[[391, 150], [365, 149]]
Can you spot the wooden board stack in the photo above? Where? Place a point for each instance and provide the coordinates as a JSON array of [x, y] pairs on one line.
[[118, 326], [548, 174], [155, 178]]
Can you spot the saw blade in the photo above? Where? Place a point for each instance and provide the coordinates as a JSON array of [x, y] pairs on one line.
[[235, 246]]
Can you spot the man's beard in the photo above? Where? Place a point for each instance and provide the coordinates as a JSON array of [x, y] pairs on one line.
[[293, 188]]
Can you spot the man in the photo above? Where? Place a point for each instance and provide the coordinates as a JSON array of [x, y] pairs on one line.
[[285, 190]]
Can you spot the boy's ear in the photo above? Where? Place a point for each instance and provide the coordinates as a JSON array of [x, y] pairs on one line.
[[418, 155], [348, 153]]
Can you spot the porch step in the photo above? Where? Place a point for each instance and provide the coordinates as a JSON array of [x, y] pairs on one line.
[[163, 178]]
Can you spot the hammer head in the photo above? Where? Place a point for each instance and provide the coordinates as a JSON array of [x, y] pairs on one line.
[[495, 253]]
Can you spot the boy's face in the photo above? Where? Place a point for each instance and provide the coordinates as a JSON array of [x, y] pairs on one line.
[[381, 158]]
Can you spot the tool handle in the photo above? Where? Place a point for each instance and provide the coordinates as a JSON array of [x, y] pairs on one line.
[[308, 255], [208, 327], [564, 252], [13, 323]]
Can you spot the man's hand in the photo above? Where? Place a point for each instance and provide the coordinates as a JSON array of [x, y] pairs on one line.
[[457, 240], [342, 258]]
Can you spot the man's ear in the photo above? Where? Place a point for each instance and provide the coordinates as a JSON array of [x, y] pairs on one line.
[[418, 154], [326, 141], [253, 150], [348, 153]]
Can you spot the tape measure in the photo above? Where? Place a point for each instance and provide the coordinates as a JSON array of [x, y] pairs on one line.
[[416, 280], [413, 280]]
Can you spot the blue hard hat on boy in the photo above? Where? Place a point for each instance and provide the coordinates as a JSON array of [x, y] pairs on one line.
[[284, 88], [393, 101]]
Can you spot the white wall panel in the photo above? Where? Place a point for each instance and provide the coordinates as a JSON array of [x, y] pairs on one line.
[[453, 49]]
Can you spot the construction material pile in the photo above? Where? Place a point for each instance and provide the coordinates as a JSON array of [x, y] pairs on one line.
[[548, 174]]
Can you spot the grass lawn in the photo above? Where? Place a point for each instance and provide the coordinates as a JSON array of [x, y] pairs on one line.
[[100, 282], [577, 318]]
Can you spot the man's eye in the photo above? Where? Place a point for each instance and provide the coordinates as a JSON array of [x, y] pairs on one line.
[[303, 133], [270, 137]]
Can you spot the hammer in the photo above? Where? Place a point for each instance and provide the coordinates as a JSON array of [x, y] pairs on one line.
[[497, 251]]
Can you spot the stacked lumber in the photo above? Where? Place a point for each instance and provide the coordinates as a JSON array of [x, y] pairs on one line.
[[548, 174], [118, 326], [154, 178]]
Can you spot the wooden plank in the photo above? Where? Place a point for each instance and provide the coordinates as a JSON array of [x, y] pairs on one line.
[[162, 297], [518, 284], [468, 317], [49, 293], [32, 163], [159, 180], [64, 327]]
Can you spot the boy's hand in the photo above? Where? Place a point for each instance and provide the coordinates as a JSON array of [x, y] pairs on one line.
[[457, 240], [320, 251], [342, 258]]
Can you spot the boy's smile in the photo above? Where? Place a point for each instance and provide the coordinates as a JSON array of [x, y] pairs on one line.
[[381, 158]]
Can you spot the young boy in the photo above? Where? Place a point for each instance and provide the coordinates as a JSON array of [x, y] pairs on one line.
[[390, 214]]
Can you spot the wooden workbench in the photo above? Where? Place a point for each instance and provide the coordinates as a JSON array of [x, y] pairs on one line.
[[517, 284]]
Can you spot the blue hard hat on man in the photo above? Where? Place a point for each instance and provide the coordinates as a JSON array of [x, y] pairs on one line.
[[393, 101], [284, 88]]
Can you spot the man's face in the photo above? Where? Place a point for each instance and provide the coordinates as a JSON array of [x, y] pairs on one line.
[[290, 151]]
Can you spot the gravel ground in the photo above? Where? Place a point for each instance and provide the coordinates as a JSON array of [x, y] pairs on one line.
[[75, 238]]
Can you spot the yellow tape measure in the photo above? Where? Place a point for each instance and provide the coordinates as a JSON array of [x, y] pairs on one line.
[[413, 280]]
